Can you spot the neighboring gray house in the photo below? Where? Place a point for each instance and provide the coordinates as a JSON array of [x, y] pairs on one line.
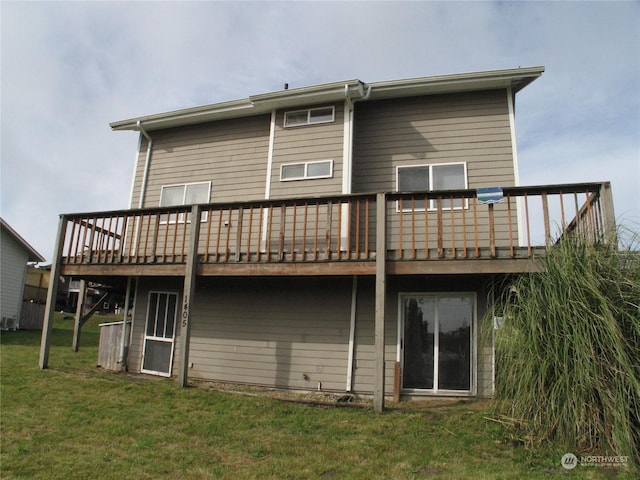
[[349, 237], [15, 254]]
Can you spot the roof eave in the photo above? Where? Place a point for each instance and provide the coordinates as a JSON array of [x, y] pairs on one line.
[[187, 116], [516, 79], [254, 105], [34, 256]]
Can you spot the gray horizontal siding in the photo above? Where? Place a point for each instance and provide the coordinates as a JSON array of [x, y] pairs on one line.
[[13, 261], [290, 333], [232, 154], [323, 141], [471, 128], [294, 332], [468, 127]]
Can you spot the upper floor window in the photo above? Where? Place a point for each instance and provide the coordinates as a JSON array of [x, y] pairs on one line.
[[446, 176], [309, 116], [184, 194], [306, 170]]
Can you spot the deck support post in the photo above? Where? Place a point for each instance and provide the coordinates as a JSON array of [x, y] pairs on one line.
[[122, 357], [188, 295], [608, 213], [77, 325], [381, 259], [52, 294]]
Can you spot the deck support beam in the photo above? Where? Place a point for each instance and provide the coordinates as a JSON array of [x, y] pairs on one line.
[[381, 291], [188, 296], [82, 295], [122, 357], [52, 293]]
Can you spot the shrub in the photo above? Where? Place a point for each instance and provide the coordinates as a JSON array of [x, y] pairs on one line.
[[568, 353]]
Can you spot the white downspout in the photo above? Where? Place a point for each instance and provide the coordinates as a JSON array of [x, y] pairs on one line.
[[347, 181], [347, 153], [352, 333], [269, 179], [147, 163]]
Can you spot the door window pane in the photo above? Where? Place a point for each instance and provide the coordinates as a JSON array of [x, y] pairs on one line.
[[419, 329], [454, 343], [157, 356]]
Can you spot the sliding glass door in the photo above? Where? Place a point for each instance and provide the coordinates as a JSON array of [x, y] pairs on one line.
[[437, 332]]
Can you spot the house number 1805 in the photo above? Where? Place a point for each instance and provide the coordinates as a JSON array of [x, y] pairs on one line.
[[185, 311]]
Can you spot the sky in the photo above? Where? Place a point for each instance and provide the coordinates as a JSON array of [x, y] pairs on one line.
[[68, 69]]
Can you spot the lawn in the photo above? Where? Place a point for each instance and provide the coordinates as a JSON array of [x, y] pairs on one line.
[[74, 420]]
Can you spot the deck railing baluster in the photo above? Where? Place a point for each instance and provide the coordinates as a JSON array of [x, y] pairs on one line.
[[510, 222], [452, 220], [439, 226], [149, 236]]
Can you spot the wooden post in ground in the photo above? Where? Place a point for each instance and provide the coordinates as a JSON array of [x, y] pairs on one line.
[[381, 257], [188, 295], [77, 324], [608, 213], [52, 293], [122, 357]]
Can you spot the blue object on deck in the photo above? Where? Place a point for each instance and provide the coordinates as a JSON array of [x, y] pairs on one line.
[[488, 195]]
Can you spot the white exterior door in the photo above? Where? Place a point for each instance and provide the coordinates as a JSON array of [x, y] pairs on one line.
[[159, 335]]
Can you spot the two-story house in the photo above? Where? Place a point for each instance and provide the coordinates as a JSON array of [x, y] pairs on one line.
[[338, 237]]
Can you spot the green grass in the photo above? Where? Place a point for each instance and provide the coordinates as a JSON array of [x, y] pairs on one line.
[[75, 421]]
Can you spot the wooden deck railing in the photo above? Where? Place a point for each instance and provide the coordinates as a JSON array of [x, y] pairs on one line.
[[419, 226]]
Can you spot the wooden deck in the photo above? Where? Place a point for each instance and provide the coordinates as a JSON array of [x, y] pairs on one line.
[[426, 233]]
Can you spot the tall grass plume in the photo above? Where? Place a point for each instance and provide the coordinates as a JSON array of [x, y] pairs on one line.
[[568, 353]]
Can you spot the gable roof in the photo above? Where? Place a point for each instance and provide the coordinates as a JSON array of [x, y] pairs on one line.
[[516, 79], [34, 256]]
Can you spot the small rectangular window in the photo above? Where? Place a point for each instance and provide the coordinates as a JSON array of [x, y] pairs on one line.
[[306, 170], [420, 178], [310, 116], [185, 194]]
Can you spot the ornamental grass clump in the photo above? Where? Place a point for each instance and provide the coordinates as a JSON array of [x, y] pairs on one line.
[[568, 353]]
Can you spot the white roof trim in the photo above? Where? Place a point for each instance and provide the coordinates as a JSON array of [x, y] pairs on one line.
[[516, 79]]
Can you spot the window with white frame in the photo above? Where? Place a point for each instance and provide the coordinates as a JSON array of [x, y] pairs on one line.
[[184, 194], [306, 170], [445, 176], [310, 116]]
